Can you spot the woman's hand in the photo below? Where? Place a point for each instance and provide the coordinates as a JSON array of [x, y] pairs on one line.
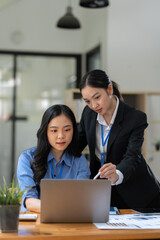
[[108, 170], [33, 204]]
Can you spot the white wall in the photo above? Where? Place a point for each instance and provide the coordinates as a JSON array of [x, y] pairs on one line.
[[36, 20], [129, 31], [133, 44], [95, 28]]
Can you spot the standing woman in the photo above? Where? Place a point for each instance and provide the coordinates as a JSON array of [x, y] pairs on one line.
[[55, 156], [114, 132]]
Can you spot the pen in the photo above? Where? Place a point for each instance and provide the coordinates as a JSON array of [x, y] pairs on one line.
[[97, 175], [117, 210]]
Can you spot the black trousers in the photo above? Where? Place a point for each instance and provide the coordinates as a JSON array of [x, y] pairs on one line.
[[155, 202]]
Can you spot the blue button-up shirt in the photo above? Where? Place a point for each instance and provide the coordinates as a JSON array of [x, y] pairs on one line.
[[74, 168]]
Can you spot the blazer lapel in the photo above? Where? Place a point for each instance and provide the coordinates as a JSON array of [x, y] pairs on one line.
[[116, 128]]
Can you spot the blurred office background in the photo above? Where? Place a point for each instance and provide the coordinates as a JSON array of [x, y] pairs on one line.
[[39, 62]]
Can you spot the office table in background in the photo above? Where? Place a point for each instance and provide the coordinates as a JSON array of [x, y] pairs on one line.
[[77, 231]]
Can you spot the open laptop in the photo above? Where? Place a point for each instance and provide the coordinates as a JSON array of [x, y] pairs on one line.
[[75, 200]]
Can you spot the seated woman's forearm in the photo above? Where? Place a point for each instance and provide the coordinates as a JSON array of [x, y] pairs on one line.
[[33, 204]]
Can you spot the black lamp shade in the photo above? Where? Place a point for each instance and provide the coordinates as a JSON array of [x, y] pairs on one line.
[[68, 21], [94, 3]]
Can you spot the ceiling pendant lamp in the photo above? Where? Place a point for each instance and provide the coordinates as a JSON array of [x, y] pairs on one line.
[[68, 21], [94, 3]]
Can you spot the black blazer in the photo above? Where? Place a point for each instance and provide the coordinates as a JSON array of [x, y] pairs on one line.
[[139, 186]]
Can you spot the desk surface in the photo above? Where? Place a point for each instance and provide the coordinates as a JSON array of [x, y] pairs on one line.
[[77, 231]]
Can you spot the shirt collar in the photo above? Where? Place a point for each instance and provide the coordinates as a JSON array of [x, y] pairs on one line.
[[65, 158], [101, 120]]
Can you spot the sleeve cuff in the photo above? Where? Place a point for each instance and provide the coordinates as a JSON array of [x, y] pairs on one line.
[[120, 180]]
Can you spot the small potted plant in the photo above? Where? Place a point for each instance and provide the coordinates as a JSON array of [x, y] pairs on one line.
[[10, 198], [157, 145]]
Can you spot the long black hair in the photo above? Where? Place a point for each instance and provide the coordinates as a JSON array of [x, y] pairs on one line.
[[43, 147], [99, 79]]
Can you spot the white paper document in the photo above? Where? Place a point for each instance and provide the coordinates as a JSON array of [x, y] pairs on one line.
[[131, 221], [27, 216]]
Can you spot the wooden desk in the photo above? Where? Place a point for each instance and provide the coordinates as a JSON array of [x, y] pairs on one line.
[[76, 231]]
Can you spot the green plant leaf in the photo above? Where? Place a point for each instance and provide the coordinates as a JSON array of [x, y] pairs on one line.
[[10, 195]]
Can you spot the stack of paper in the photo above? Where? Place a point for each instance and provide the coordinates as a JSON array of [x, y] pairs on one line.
[[131, 221]]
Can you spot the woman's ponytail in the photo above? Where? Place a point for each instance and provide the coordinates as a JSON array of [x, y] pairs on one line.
[[116, 91]]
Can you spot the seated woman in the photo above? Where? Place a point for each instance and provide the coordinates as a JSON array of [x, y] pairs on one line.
[[55, 156]]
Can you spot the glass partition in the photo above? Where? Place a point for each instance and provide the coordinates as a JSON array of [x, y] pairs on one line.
[[29, 84], [6, 109], [42, 82]]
